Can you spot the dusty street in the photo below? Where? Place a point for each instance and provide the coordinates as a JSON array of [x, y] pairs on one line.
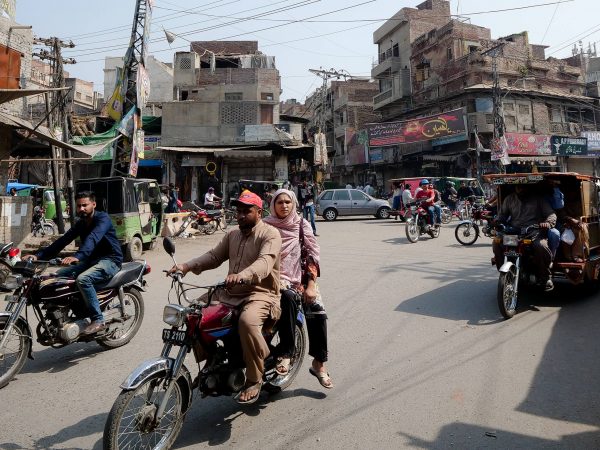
[[419, 354]]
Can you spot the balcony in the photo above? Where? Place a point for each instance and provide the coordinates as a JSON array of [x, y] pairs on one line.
[[391, 64]]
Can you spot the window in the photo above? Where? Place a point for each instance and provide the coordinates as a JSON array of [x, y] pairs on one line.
[[473, 48], [510, 121], [184, 95], [396, 50], [327, 195], [233, 96], [509, 106], [449, 53], [78, 95], [422, 72], [341, 194], [524, 109], [555, 114], [185, 63], [88, 98], [489, 119], [357, 195], [267, 96]]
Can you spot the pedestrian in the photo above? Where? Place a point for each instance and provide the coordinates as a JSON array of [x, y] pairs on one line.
[[173, 197], [309, 206], [396, 197], [298, 277]]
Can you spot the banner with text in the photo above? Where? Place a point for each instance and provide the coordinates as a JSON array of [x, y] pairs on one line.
[[417, 130], [525, 144]]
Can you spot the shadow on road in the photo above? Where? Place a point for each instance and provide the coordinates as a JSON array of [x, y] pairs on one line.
[[462, 435], [210, 421], [89, 425], [52, 360]]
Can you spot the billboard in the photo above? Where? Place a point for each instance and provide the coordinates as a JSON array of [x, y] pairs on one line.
[[417, 130], [524, 144], [593, 139], [569, 146], [357, 148]]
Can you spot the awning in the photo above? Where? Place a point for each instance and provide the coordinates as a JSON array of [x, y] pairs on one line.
[[224, 152], [551, 160], [8, 95], [244, 153], [150, 163]]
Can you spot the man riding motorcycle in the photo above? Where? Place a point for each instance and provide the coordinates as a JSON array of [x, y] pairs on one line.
[[252, 283], [98, 259], [524, 209], [427, 197]]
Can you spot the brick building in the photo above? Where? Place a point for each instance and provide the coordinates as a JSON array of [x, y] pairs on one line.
[[450, 67], [226, 111]]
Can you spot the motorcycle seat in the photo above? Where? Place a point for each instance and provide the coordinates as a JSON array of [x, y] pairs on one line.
[[130, 271], [214, 212]]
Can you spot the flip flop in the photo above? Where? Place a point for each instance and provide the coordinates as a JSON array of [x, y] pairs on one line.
[[283, 366], [323, 378], [251, 399]]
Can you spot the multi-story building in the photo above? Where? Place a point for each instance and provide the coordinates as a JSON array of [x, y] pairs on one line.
[[453, 66], [226, 111]]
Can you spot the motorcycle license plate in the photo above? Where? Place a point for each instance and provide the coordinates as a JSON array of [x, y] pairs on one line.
[[176, 337]]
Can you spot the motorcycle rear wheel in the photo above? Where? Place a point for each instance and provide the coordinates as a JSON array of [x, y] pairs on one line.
[[434, 232], [412, 230], [507, 300], [466, 233], [134, 303], [129, 423], [210, 227], [282, 382], [446, 216], [15, 351]]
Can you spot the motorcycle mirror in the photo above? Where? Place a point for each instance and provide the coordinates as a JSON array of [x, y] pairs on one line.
[[169, 246]]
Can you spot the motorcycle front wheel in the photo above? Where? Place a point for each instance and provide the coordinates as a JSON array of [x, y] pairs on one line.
[[507, 295], [14, 352], [120, 331], [131, 422], [466, 233], [412, 230]]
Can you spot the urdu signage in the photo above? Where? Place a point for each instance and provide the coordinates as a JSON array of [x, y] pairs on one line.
[[569, 146], [417, 130]]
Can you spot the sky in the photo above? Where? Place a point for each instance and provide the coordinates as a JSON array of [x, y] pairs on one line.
[[328, 34]]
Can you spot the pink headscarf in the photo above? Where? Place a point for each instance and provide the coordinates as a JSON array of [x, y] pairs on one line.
[[289, 228]]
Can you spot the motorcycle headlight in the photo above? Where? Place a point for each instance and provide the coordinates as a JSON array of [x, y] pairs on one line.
[[510, 240], [174, 315]]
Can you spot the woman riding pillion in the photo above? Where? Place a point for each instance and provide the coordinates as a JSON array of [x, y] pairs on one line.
[[298, 244]]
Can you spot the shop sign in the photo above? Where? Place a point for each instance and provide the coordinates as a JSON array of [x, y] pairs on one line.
[[567, 146], [593, 139], [449, 140], [376, 155], [150, 145], [417, 130], [523, 144], [356, 147]]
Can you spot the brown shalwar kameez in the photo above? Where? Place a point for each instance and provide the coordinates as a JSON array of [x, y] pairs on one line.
[[255, 257]]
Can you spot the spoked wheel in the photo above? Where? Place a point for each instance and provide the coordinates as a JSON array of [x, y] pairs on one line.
[[47, 230], [466, 233], [507, 294], [131, 422], [14, 352], [210, 227], [120, 333], [446, 216], [282, 382], [223, 223], [434, 232], [412, 230], [230, 216]]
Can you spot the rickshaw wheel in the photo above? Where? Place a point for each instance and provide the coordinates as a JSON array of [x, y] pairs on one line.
[[134, 249]]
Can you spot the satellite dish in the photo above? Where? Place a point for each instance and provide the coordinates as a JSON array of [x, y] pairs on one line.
[[169, 36]]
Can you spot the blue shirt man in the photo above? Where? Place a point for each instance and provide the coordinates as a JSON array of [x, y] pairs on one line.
[[98, 259]]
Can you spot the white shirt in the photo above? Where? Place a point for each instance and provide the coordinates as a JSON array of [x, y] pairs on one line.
[[209, 198], [406, 196]]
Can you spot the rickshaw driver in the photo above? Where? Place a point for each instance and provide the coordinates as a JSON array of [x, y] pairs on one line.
[[525, 209]]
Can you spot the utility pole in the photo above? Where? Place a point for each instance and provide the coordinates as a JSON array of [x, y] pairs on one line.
[[59, 116], [497, 98], [326, 75], [134, 58]]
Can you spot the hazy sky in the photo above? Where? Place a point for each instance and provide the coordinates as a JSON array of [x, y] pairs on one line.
[[102, 28]]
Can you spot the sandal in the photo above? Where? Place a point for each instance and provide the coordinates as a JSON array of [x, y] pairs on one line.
[[323, 377], [251, 399], [283, 366], [577, 259]]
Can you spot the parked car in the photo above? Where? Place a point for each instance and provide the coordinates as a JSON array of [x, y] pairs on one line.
[[350, 202]]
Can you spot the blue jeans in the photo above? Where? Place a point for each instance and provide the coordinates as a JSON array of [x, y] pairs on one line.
[[309, 210], [87, 274], [435, 214], [553, 240]]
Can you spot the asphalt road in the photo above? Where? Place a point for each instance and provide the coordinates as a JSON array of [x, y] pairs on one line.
[[419, 355]]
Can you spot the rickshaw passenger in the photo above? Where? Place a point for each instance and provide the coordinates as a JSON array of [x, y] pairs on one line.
[[524, 209], [556, 199]]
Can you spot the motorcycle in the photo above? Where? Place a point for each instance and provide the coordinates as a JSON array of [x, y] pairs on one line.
[[205, 221], [155, 397], [517, 266], [40, 225], [57, 304], [468, 231], [9, 254], [418, 223]]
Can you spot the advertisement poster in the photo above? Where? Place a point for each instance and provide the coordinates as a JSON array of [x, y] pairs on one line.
[[357, 147], [417, 130], [142, 86], [524, 144]]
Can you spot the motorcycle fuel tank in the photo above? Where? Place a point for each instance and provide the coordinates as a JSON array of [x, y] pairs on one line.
[[217, 321], [57, 290]]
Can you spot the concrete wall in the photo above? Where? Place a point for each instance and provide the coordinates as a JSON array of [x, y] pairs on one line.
[[22, 41], [15, 218]]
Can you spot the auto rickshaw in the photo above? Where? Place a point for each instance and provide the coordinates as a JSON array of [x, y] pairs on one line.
[[135, 208], [577, 259], [43, 196]]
